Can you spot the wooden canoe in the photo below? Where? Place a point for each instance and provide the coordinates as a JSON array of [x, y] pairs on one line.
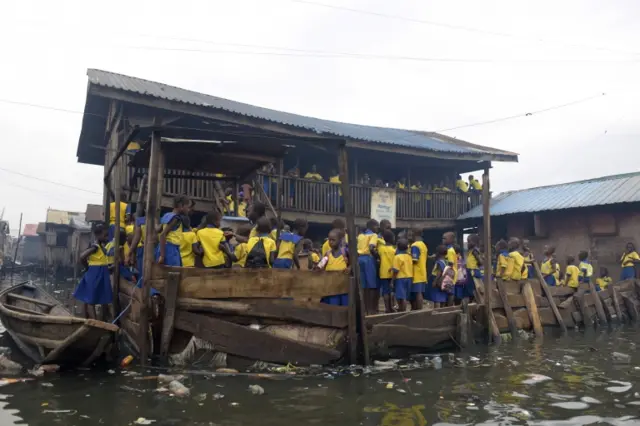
[[48, 333]]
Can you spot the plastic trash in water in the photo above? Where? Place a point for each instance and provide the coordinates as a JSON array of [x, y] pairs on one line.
[[143, 421], [437, 363], [256, 389], [389, 385], [126, 361], [168, 378], [178, 389]]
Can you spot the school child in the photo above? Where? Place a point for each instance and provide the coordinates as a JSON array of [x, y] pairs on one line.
[[474, 264], [461, 185], [137, 244], [240, 249], [419, 254], [572, 273], [95, 286], [438, 293], [187, 255], [603, 281], [402, 274], [586, 269], [549, 268], [502, 251], [124, 209], [386, 253], [335, 260], [315, 254], [459, 289], [515, 261], [366, 245], [529, 271], [212, 245], [449, 239], [628, 262], [289, 246], [474, 184], [261, 249], [168, 249], [340, 226]]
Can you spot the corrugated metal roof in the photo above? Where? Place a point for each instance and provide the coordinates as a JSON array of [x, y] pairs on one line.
[[406, 138], [30, 230], [57, 217], [605, 190]]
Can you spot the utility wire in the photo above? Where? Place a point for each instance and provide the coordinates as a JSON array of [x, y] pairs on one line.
[[48, 181]]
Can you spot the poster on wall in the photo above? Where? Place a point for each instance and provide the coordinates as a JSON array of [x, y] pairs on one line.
[[383, 205]]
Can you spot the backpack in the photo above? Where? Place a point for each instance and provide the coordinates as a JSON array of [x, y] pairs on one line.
[[447, 279], [257, 257]]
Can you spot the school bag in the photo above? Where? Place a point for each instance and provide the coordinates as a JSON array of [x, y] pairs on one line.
[[257, 257], [447, 283]]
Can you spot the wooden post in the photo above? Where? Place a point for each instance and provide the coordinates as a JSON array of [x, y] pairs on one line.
[[615, 297], [116, 240], [171, 297], [356, 307], [532, 308], [552, 302], [279, 195], [156, 170], [494, 333], [579, 299], [597, 303], [463, 325], [15, 252], [507, 307], [631, 307], [236, 196]]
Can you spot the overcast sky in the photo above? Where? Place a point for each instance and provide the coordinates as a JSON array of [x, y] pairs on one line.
[[493, 59]]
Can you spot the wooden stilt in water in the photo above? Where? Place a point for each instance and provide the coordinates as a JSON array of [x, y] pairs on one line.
[[116, 241], [552, 303], [532, 308], [579, 299], [463, 325], [356, 305], [170, 301], [156, 170], [615, 298], [598, 304], [492, 328], [507, 308], [632, 308]]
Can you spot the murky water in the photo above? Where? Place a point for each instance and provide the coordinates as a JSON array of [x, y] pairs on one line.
[[573, 380]]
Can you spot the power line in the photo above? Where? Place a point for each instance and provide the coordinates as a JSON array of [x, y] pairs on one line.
[[526, 114], [9, 101], [462, 27], [49, 181]]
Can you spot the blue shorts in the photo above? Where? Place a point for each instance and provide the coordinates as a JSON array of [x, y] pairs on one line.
[[283, 263], [403, 288], [171, 255], [368, 276], [385, 286], [459, 290], [550, 280], [628, 273], [435, 294], [418, 287]]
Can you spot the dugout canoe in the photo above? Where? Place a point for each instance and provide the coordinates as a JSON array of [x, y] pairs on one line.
[[48, 333]]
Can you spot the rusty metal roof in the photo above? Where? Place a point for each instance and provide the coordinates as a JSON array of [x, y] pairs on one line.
[[420, 140], [30, 230], [615, 189]]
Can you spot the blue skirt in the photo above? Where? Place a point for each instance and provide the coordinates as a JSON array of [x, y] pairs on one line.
[[368, 276], [140, 260], [435, 294], [385, 286], [336, 300], [459, 291], [470, 288], [628, 273], [95, 286], [171, 255], [127, 274], [550, 280], [283, 263]]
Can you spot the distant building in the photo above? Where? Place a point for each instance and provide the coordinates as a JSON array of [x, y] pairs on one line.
[[599, 215], [31, 248], [66, 234]]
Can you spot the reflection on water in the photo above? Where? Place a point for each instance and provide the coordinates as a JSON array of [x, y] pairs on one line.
[[571, 380]]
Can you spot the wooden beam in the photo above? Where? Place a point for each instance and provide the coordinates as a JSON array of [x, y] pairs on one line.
[[552, 303], [30, 299], [532, 309], [152, 214], [632, 308], [400, 335], [117, 183], [242, 341], [579, 298], [493, 333], [507, 308], [597, 303], [170, 300], [615, 297], [305, 312]]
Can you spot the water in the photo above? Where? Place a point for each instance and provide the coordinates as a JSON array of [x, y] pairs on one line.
[[569, 380]]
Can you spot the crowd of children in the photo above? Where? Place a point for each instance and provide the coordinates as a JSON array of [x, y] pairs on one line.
[[394, 267]]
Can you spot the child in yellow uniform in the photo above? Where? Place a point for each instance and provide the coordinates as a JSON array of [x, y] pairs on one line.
[[528, 271], [240, 250], [515, 262], [586, 269], [474, 184], [186, 248], [502, 259], [335, 260], [95, 286], [366, 246], [289, 246], [340, 226], [112, 218], [261, 249], [435, 293], [549, 268], [461, 185], [211, 244], [402, 273], [168, 250], [474, 264], [628, 262], [572, 273], [603, 281], [386, 253], [419, 254]]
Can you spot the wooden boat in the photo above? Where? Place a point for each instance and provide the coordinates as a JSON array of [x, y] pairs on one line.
[[48, 333]]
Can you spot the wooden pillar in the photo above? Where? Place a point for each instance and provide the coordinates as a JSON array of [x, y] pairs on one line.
[[356, 308], [156, 170], [494, 335], [236, 196], [355, 172], [117, 183], [279, 195]]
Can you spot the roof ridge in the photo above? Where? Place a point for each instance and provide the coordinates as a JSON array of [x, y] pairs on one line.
[[595, 179]]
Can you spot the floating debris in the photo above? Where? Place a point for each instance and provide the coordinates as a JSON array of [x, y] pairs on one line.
[[519, 395], [256, 389], [389, 385], [227, 370], [217, 396], [167, 378], [535, 378], [126, 361], [200, 397], [7, 365], [9, 381], [178, 389], [590, 400], [620, 358], [560, 397], [143, 421], [401, 390], [49, 368], [625, 386], [46, 384], [60, 411], [571, 405]]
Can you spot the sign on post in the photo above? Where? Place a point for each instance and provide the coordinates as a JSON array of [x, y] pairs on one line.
[[383, 205]]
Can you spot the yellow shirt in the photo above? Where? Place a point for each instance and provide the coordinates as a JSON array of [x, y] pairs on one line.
[[175, 235], [462, 185], [269, 246], [515, 266], [572, 273], [326, 247], [99, 258], [186, 249], [133, 146], [315, 176], [127, 250], [419, 254], [288, 243], [129, 229], [210, 240], [315, 258], [401, 185], [365, 240], [112, 213], [603, 282], [416, 187], [472, 261], [335, 179], [503, 263], [443, 189], [254, 233], [586, 270], [628, 258], [242, 208], [387, 253], [110, 252], [241, 254], [475, 184], [335, 263], [452, 259], [403, 265]]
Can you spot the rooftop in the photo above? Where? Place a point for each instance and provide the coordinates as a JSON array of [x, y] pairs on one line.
[[615, 189], [108, 85]]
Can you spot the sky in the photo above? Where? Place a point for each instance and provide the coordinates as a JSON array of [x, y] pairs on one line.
[[433, 66]]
